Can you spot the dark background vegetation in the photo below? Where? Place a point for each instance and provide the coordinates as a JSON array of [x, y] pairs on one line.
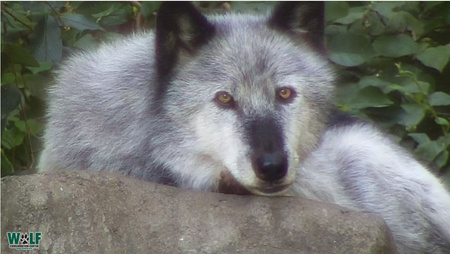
[[392, 58]]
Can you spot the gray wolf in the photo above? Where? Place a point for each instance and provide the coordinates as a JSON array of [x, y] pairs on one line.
[[237, 104]]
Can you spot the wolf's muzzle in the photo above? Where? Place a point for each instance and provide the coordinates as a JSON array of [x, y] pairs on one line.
[[269, 161], [270, 167]]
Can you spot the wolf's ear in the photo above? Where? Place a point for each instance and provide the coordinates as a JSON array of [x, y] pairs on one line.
[[303, 20], [180, 29]]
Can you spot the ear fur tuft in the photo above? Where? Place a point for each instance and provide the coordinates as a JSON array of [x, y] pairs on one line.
[[180, 28], [302, 20]]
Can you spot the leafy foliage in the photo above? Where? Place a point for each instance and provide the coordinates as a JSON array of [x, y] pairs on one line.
[[392, 58]]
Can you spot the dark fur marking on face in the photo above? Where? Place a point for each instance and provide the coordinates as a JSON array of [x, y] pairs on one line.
[[180, 29], [301, 20], [269, 160]]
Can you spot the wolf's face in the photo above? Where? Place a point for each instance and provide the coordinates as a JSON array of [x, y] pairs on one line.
[[249, 93]]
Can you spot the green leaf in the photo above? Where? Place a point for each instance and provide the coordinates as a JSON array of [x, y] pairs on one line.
[[98, 9], [86, 42], [35, 84], [429, 150], [354, 14], [34, 126], [18, 80], [7, 166], [446, 177], [412, 116], [47, 42], [80, 22], [11, 97], [370, 97], [350, 49], [372, 81], [20, 124], [41, 8], [110, 37], [346, 93], [439, 99], [420, 138], [395, 87], [386, 8], [419, 87], [43, 66], [335, 10], [445, 140], [7, 77], [334, 29], [70, 37], [118, 17], [437, 57], [442, 121], [395, 45], [106, 12], [14, 25], [408, 86], [149, 7], [402, 21], [441, 159], [12, 137], [431, 4], [19, 55], [374, 24]]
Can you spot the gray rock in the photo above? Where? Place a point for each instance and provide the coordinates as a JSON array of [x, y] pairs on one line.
[[88, 212]]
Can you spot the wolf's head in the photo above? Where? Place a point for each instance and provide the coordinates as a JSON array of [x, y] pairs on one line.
[[250, 93]]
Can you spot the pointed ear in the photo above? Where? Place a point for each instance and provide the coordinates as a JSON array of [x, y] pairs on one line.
[[302, 20], [180, 29]]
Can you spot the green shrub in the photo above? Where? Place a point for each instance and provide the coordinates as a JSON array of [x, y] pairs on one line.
[[393, 60]]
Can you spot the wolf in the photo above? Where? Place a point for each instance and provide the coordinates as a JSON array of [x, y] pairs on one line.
[[241, 104]]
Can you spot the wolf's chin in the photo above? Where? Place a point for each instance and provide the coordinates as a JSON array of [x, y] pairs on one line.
[[279, 190], [228, 184]]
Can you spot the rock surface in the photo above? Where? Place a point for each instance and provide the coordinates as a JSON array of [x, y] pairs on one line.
[[88, 212]]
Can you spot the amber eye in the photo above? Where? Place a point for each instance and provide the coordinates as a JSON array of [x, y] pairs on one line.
[[285, 93], [224, 99]]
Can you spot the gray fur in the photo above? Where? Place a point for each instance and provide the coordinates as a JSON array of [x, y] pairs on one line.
[[357, 167], [105, 113]]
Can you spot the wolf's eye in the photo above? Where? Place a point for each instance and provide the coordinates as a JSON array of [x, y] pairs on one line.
[[224, 99], [285, 94]]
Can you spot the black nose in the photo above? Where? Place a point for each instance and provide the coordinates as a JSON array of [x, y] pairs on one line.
[[270, 166]]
